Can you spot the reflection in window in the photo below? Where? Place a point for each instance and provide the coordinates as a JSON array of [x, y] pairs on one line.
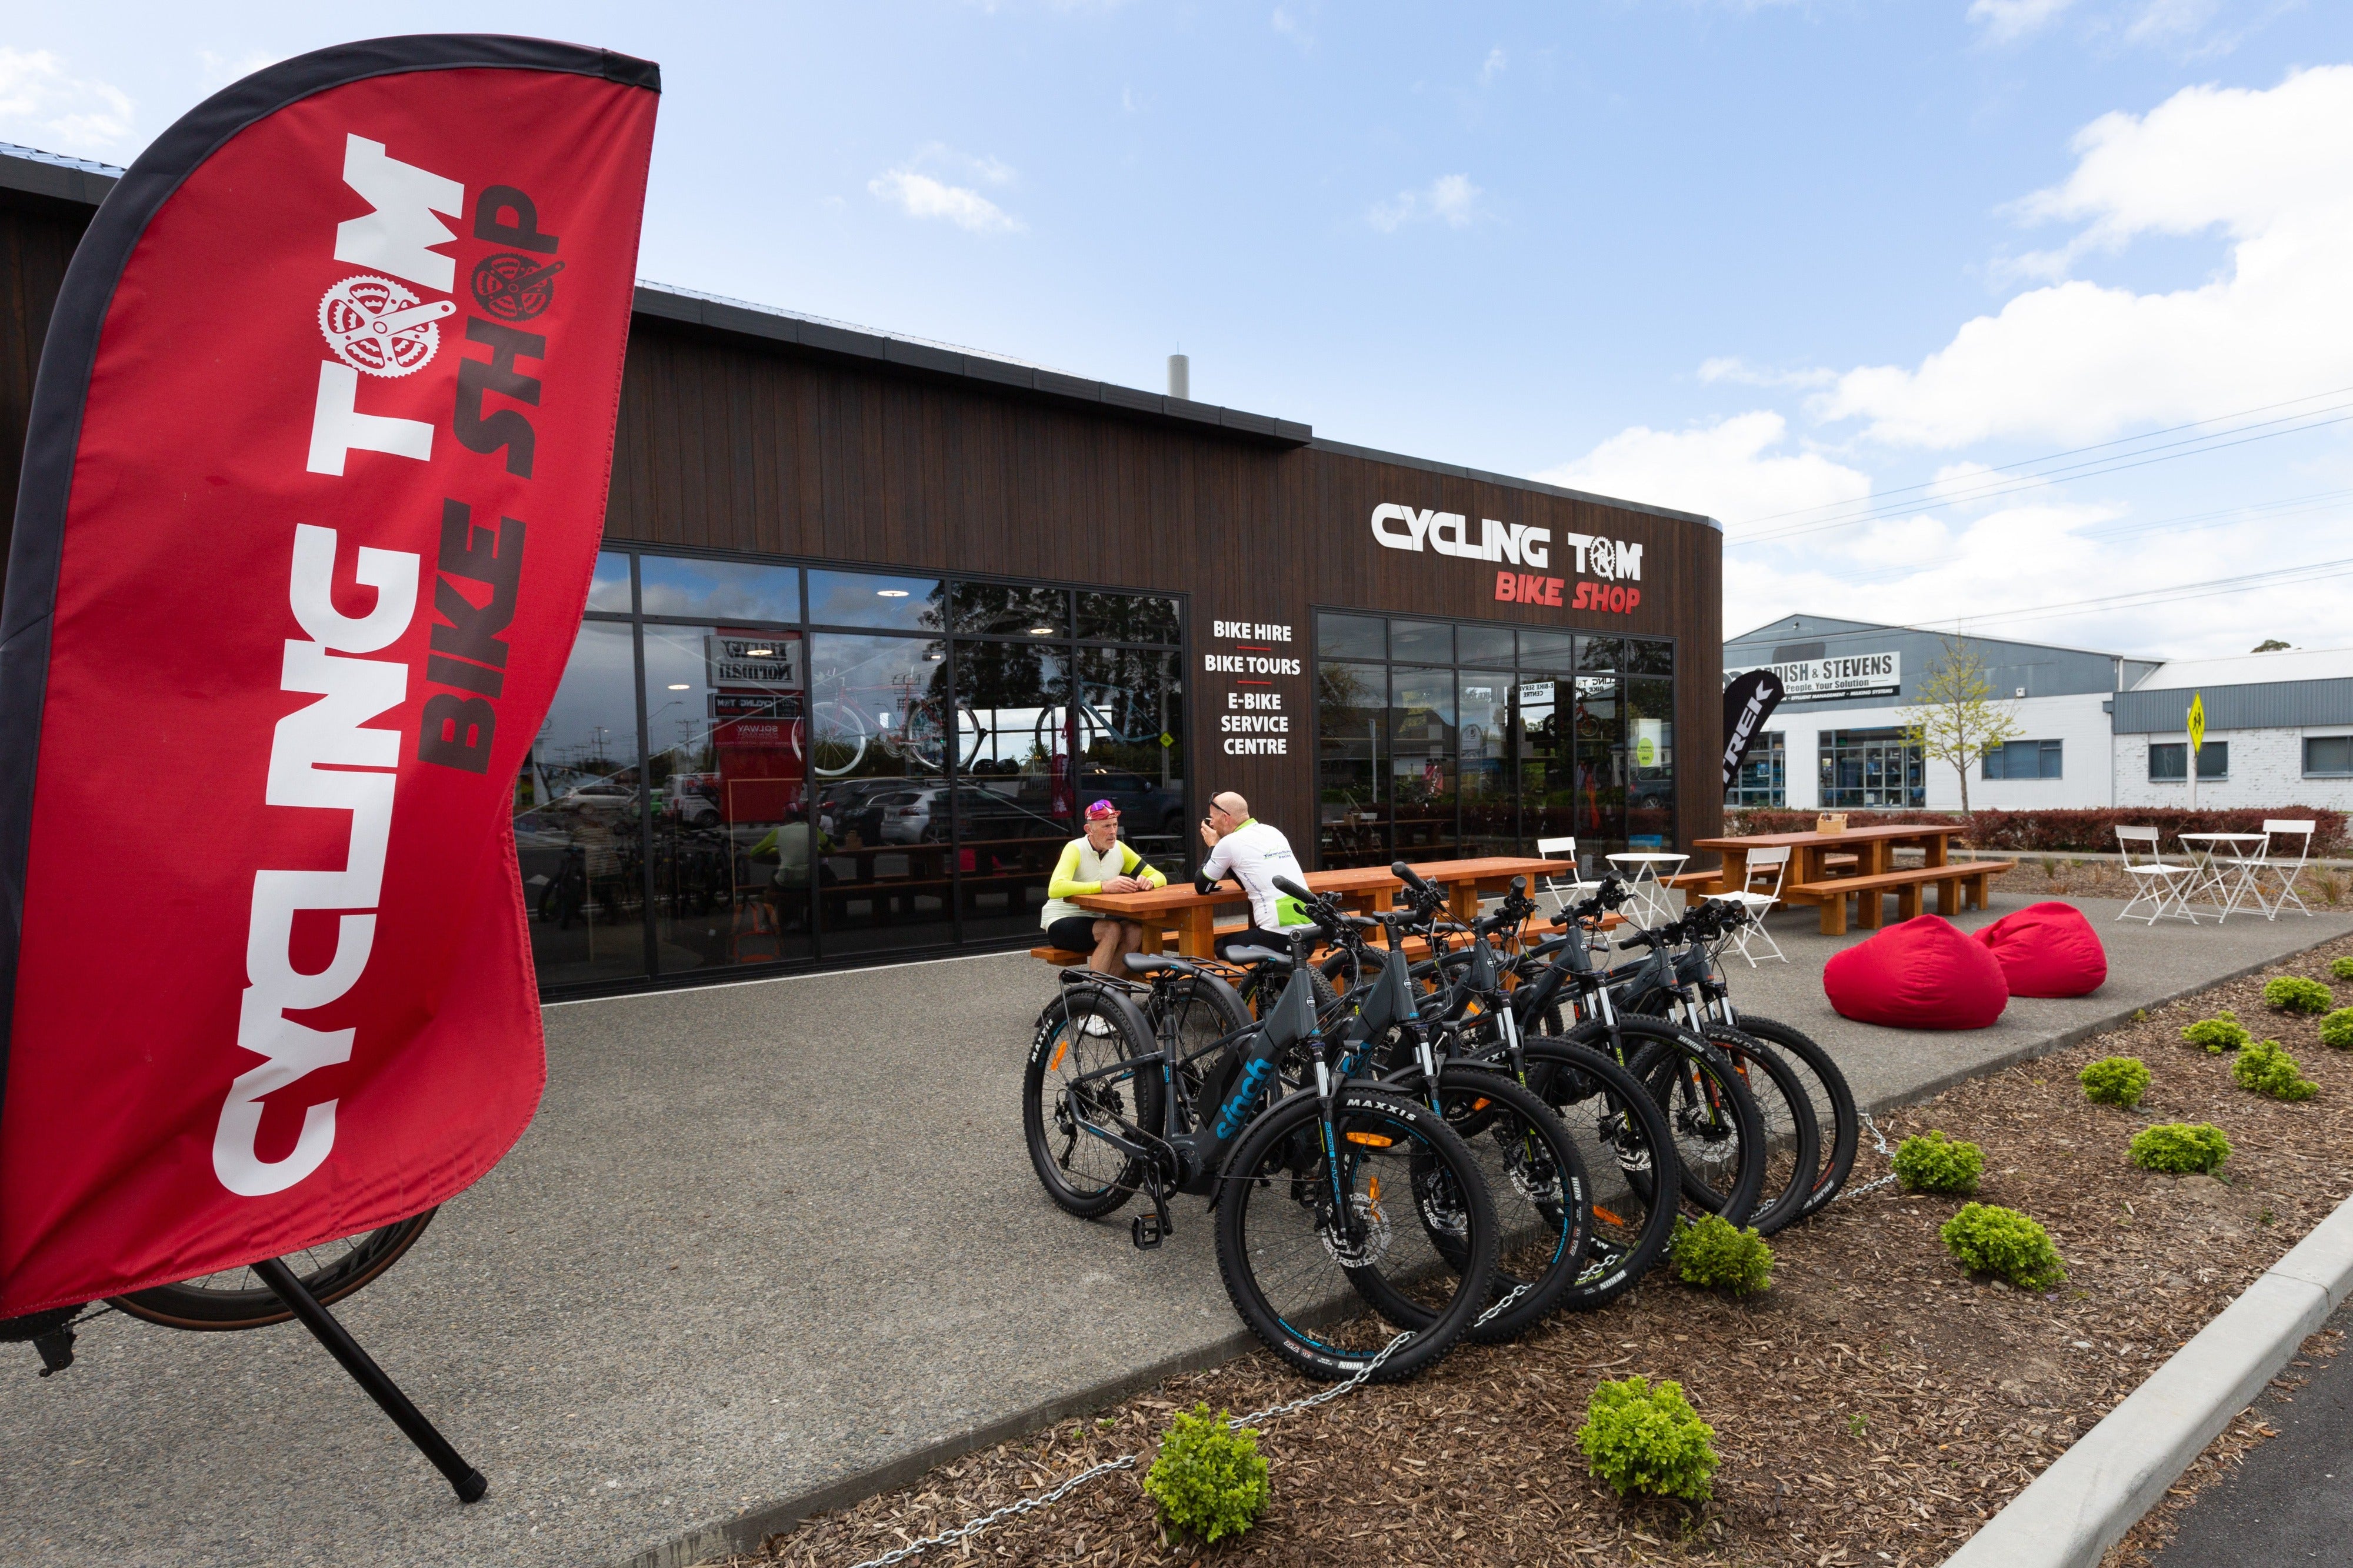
[[1422, 761], [1129, 617], [880, 733], [1484, 645], [609, 588], [1127, 730], [1648, 766], [1422, 642], [1351, 637], [1490, 811], [995, 609], [1600, 653], [720, 590], [866, 599], [1016, 822], [1548, 651], [576, 825], [1352, 804]]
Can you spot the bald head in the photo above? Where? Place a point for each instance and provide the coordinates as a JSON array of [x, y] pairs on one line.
[[1232, 804]]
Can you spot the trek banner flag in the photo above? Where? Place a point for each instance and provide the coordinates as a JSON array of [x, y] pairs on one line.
[[312, 492], [1749, 701]]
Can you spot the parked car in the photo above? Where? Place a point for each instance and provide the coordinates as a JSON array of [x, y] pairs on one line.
[[921, 816]]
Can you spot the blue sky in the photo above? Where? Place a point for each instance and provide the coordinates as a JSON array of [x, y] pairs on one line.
[[1747, 258]]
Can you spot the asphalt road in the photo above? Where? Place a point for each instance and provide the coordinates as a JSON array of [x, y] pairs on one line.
[[760, 1239], [2291, 1501]]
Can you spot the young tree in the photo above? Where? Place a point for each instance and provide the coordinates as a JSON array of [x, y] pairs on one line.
[[1958, 717]]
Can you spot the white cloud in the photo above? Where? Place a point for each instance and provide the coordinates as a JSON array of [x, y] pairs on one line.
[[1451, 199], [1289, 25], [1729, 470], [60, 113], [2269, 170], [923, 195], [2006, 20], [1497, 61]]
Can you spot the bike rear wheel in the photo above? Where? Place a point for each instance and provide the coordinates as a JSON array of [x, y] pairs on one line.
[[1544, 1205], [235, 1299], [1088, 1080], [1310, 1233], [1627, 1150], [1792, 1136], [1719, 1135], [1833, 1101]]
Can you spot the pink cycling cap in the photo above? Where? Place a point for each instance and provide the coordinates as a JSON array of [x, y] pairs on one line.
[[1100, 810]]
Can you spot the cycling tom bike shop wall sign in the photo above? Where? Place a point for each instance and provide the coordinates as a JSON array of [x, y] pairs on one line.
[[329, 393], [1611, 570]]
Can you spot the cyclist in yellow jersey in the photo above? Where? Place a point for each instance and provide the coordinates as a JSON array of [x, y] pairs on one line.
[[1097, 863]]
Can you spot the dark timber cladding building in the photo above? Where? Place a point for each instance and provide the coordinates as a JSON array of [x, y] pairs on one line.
[[877, 618]]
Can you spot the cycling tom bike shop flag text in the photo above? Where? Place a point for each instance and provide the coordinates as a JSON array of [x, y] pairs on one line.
[[312, 492]]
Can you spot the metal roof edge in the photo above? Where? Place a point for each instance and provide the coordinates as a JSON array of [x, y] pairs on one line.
[[1512, 481], [39, 174]]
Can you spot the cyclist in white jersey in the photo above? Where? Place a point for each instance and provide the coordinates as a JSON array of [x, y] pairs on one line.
[[1253, 854]]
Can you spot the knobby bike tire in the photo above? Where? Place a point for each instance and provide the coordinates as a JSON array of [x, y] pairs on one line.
[[1604, 1104], [1056, 1112], [235, 1299], [1275, 1208], [1537, 1181], [1792, 1135], [1719, 1133], [1834, 1107]]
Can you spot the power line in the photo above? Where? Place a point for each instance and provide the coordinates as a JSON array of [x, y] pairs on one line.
[[2311, 572], [2214, 444], [2069, 452]]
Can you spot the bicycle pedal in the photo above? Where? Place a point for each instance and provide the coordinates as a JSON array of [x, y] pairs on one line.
[[1146, 1231]]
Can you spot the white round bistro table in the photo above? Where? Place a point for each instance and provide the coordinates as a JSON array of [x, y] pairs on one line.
[[1646, 871], [2228, 893]]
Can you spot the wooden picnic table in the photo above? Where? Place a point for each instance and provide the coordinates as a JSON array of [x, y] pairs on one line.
[[1192, 916], [1873, 848]]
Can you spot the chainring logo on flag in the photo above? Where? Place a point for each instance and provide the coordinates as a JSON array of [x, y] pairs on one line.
[[379, 328]]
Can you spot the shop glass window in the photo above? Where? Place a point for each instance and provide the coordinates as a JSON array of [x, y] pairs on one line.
[[867, 599], [1483, 741], [1129, 617], [1870, 768], [1548, 651], [718, 590], [996, 609], [1647, 767], [1422, 761], [1351, 797], [1484, 645], [1127, 731], [579, 838], [1421, 642], [1595, 779], [2169, 761], [1647, 656], [2022, 759], [2329, 756], [1351, 637], [1600, 654], [880, 733], [608, 589], [1541, 723], [733, 853], [1024, 804], [1764, 775]]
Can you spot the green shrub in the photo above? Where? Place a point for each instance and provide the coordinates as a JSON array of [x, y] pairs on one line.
[[2295, 993], [1712, 1255], [1639, 1439], [2220, 1032], [2336, 1029], [2114, 1080], [2180, 1147], [1990, 1239], [2341, 967], [2267, 1069], [1932, 1165], [1208, 1481]]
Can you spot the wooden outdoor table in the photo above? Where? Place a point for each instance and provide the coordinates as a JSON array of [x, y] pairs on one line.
[[1874, 846], [1193, 916]]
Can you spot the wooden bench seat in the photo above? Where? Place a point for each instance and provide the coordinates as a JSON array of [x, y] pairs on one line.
[[1960, 885]]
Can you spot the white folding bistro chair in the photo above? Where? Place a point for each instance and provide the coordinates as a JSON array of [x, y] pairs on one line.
[[1758, 900], [2163, 884], [2248, 869], [1562, 891]]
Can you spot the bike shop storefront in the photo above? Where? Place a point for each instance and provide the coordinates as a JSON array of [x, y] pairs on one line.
[[753, 762]]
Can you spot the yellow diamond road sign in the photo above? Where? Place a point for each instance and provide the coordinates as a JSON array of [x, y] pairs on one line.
[[2196, 722]]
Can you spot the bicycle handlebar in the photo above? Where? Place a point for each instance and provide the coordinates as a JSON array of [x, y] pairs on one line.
[[1409, 876]]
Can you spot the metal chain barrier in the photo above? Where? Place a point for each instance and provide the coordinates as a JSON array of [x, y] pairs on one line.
[[1021, 1506], [1873, 1128]]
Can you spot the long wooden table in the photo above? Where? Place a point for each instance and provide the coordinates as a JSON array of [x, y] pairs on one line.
[[1191, 917], [1873, 849]]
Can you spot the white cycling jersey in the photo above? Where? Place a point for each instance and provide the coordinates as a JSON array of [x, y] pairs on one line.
[[1254, 855]]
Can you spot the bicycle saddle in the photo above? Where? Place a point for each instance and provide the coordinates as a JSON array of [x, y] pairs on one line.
[[1153, 963], [1258, 955]]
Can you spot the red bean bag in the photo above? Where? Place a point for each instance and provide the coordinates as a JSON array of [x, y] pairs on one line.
[[2048, 949], [1919, 975]]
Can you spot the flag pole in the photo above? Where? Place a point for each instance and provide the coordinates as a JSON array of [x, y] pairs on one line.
[[468, 1481]]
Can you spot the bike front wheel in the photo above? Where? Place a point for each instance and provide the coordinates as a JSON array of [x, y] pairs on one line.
[[236, 1299], [1086, 1084], [1320, 1219], [1833, 1102], [1627, 1150]]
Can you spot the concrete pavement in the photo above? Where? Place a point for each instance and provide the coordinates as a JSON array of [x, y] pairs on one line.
[[766, 1246]]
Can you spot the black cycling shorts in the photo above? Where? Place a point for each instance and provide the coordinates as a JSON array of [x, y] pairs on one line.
[[1075, 934]]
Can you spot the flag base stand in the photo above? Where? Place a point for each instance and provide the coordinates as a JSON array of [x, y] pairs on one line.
[[467, 1481]]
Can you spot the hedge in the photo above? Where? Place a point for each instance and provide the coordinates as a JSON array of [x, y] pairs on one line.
[[2086, 831]]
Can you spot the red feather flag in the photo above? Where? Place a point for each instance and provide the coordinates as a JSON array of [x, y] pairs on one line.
[[312, 492]]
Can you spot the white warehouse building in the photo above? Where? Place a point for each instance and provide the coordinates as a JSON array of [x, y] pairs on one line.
[[2095, 729]]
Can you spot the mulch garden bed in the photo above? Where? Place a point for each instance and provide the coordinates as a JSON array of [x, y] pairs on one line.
[[1872, 1408]]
